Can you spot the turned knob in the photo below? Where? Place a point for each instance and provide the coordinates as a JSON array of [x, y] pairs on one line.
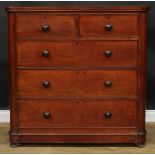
[[45, 28], [45, 53], [107, 114], [47, 115], [108, 27], [108, 83], [46, 84], [108, 53]]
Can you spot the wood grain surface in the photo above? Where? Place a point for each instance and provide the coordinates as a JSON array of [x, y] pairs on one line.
[[76, 83], [80, 114], [31, 25], [76, 54], [122, 25]]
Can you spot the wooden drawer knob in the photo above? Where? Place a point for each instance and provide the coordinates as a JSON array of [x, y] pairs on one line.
[[108, 53], [108, 83], [46, 84], [108, 27], [45, 53], [45, 28], [46, 115], [108, 114]]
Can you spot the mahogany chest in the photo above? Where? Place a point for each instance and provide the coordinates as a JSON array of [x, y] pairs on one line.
[[77, 74]]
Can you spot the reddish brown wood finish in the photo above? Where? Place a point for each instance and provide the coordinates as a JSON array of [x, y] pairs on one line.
[[31, 25], [77, 69], [12, 73], [80, 113], [122, 25], [78, 9], [73, 84], [75, 54]]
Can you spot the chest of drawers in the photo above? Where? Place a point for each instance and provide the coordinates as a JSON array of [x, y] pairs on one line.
[[77, 74]]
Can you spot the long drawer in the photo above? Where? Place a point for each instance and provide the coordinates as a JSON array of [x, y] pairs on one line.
[[76, 113], [75, 54], [90, 83]]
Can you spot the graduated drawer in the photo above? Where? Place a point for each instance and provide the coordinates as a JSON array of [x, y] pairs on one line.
[[45, 25], [75, 54], [76, 113], [108, 25], [72, 84]]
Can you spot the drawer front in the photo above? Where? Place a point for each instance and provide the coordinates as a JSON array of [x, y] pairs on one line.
[[74, 113], [83, 53], [45, 25], [108, 25], [57, 83]]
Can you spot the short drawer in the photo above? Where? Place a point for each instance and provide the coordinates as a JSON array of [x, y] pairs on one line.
[[73, 54], [71, 84], [108, 25], [45, 25], [76, 113]]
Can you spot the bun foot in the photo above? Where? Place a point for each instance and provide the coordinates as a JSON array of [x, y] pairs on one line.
[[15, 145], [140, 145]]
